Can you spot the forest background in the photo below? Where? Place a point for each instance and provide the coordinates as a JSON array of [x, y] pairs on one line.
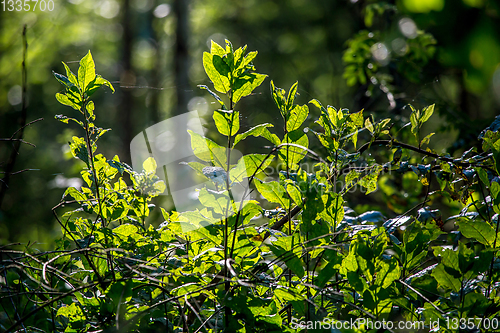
[[433, 51]]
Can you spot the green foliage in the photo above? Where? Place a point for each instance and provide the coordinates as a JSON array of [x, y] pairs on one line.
[[238, 266]]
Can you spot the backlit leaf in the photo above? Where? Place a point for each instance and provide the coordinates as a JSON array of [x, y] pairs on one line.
[[86, 72]]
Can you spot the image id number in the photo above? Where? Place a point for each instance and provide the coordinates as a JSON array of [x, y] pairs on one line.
[[471, 323], [27, 5]]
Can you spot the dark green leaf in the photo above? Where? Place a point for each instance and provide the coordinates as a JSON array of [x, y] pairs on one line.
[[63, 80], [221, 82]]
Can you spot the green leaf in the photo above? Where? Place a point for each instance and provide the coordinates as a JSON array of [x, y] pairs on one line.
[[65, 100], [98, 82], [72, 78], [293, 192], [273, 192], [75, 194], [483, 175], [334, 212], [86, 72], [246, 84], [216, 49], [279, 98], [150, 165], [318, 104], [247, 59], [369, 125], [333, 115], [416, 240], [208, 199], [271, 137], [254, 131], [79, 149], [478, 230], [285, 249], [449, 258], [165, 214], [369, 300], [349, 263], [325, 274], [126, 230], [476, 304], [286, 294], [292, 154], [370, 180], [291, 96], [445, 279], [227, 122], [357, 118], [198, 167], [72, 312], [65, 119], [296, 117], [414, 123], [90, 110], [207, 150], [221, 66], [248, 165], [220, 82], [495, 190], [387, 272], [427, 113], [426, 139], [63, 80]]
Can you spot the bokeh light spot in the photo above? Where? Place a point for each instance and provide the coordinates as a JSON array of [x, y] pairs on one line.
[[109, 9], [381, 53], [161, 10], [198, 104], [408, 28], [15, 95], [399, 46]]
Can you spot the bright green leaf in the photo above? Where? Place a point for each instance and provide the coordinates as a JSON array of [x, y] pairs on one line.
[[149, 165], [246, 84], [221, 82], [227, 122], [296, 117], [86, 72], [254, 131], [478, 230], [427, 113]]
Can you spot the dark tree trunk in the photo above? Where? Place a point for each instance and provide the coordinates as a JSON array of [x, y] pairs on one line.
[[181, 56], [126, 103]]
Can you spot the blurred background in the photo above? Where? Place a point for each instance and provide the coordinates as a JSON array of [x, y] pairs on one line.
[[357, 54]]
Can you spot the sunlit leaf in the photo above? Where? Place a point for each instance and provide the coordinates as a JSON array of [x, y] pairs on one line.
[[427, 113], [297, 116], [86, 72], [246, 84], [478, 230], [227, 122], [254, 131]]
